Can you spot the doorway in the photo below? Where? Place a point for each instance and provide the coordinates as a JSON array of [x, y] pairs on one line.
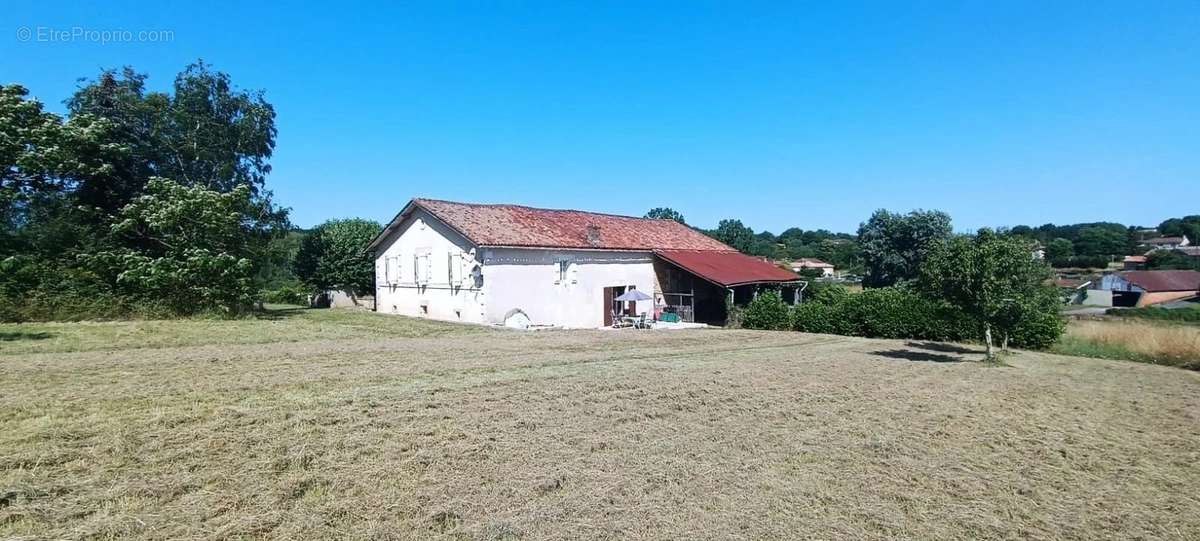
[[613, 306]]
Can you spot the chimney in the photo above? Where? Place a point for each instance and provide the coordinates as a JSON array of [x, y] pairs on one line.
[[593, 235]]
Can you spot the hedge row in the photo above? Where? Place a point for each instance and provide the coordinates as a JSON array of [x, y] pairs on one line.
[[893, 313]]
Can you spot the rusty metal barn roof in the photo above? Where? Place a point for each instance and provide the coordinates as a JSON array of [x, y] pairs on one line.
[[727, 268], [1164, 280]]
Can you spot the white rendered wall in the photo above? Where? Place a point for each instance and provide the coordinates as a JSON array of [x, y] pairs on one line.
[[441, 296], [510, 278], [528, 279]]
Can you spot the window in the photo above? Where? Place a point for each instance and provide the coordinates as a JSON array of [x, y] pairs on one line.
[[421, 272], [564, 271], [391, 271], [454, 268]]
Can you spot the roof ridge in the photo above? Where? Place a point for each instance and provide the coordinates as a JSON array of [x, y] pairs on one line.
[[543, 209]]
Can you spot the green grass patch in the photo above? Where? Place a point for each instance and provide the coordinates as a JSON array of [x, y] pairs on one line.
[[1177, 315], [1080, 347]]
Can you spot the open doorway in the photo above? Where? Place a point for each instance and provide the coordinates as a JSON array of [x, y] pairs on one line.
[[614, 307]]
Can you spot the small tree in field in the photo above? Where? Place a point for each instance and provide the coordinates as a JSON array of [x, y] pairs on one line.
[[332, 255], [992, 277]]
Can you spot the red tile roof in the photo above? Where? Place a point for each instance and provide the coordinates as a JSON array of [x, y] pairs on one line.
[[1164, 280], [727, 269], [518, 226], [1165, 240]]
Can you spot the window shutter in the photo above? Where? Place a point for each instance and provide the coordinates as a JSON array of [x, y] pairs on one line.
[[421, 268], [574, 272], [455, 263]]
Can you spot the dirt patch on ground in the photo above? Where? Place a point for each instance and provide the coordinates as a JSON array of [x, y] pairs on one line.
[[466, 433]]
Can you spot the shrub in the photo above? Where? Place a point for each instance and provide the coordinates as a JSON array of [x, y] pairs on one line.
[[1038, 322], [826, 292], [33, 290], [818, 317], [287, 293], [768, 312], [888, 312]]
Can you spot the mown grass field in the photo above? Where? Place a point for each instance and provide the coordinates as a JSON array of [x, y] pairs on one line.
[[328, 424]]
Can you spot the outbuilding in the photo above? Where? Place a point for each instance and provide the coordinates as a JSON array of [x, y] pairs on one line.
[[1146, 288]]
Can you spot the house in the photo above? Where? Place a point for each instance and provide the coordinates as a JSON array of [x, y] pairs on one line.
[[1145, 288], [1134, 262], [826, 269], [1167, 243], [523, 266]]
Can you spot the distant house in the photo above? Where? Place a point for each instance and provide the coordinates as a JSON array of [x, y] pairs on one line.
[[1145, 288], [1134, 262], [1167, 243], [826, 269], [517, 265]]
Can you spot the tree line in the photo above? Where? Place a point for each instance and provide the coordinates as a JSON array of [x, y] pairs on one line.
[[1093, 244], [840, 249], [925, 282], [141, 203]]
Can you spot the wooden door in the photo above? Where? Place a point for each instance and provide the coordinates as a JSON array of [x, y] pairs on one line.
[[608, 306]]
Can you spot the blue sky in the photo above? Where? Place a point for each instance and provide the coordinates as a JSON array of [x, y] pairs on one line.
[[781, 114]]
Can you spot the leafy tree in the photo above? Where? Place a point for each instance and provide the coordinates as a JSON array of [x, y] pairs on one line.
[[736, 235], [1171, 260], [1059, 249], [894, 245], [189, 248], [990, 277], [1103, 241], [665, 213], [29, 137], [131, 149], [1023, 231], [332, 255], [1187, 226], [275, 267], [205, 133], [68, 188]]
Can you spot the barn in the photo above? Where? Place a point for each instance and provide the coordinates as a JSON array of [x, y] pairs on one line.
[[1147, 288], [501, 263]]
